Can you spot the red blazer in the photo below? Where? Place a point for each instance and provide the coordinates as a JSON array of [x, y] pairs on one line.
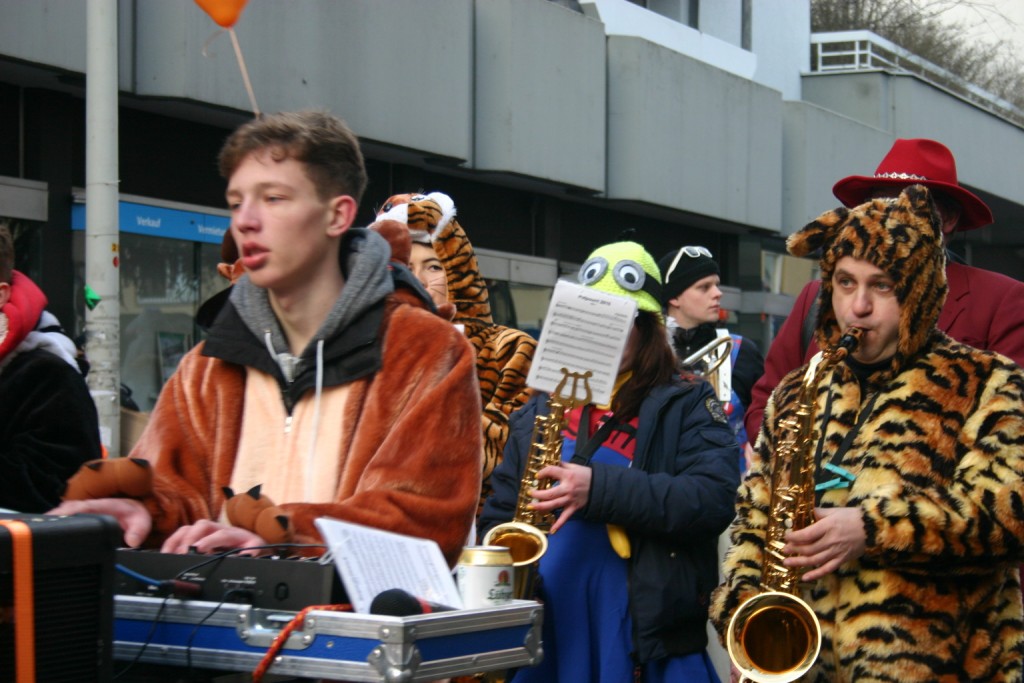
[[983, 309]]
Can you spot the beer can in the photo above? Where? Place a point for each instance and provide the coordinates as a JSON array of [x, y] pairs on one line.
[[484, 576]]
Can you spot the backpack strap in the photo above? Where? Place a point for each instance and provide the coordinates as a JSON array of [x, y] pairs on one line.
[[591, 442]]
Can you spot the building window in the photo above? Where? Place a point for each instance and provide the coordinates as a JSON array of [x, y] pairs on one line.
[[163, 282], [168, 268]]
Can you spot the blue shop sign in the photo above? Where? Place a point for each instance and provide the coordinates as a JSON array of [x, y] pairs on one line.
[[155, 221]]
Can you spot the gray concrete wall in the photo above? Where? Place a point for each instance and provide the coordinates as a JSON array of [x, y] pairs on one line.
[[989, 151], [25, 199], [399, 71], [511, 86], [50, 32], [781, 40], [863, 96], [524, 88], [540, 92], [820, 148], [684, 135]]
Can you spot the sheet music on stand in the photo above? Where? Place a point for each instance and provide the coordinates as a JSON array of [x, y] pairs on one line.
[[585, 329]]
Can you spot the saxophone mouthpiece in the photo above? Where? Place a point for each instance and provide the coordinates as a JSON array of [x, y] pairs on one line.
[[850, 339]]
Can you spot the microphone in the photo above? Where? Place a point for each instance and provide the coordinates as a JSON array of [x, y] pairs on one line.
[[396, 602]]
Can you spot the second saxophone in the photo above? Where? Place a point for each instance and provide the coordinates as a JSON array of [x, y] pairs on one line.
[[526, 535]]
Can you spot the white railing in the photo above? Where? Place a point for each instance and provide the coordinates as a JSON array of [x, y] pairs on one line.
[[847, 51]]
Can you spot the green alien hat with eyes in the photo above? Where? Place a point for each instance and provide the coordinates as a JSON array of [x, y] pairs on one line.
[[626, 269]]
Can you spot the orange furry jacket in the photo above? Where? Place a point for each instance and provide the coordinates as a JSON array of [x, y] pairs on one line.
[[411, 465]]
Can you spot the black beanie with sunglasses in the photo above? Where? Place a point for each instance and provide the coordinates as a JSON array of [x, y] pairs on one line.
[[688, 270]]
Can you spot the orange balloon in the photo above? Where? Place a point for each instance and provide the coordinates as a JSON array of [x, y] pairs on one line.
[[224, 12]]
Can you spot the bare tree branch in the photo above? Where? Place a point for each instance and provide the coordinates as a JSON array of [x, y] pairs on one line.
[[925, 28]]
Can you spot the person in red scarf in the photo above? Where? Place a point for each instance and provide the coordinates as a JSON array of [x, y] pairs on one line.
[[48, 421]]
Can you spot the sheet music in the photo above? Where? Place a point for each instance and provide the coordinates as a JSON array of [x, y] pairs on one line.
[[585, 329], [371, 561]]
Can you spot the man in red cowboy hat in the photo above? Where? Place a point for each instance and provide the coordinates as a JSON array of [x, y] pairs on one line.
[[983, 309]]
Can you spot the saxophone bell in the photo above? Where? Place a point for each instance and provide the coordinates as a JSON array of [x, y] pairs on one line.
[[526, 544], [774, 637]]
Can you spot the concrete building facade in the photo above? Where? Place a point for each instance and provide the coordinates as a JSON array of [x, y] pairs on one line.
[[554, 126]]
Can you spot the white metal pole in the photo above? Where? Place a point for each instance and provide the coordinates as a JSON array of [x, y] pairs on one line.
[[102, 243]]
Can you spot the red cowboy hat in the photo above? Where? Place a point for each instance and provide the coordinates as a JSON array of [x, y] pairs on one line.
[[917, 162]]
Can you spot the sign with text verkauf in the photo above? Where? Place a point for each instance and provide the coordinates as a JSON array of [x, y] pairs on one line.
[[585, 330]]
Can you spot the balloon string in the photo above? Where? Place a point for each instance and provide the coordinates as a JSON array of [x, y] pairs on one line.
[[245, 73], [209, 41]]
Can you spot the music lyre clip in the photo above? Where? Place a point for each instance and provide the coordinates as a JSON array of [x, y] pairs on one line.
[[573, 400]]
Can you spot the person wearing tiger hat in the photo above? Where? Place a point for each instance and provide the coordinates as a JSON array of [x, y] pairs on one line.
[[983, 308], [442, 258], [911, 563]]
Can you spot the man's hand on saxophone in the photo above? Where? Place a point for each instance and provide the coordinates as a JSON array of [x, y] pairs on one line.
[[571, 493], [835, 538]]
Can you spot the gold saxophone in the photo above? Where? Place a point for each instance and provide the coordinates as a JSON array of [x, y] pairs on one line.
[[774, 636], [526, 535]]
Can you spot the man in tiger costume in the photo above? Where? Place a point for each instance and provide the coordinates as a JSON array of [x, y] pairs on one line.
[[503, 354], [911, 564]]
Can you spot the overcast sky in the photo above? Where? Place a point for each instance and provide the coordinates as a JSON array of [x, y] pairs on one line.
[[1001, 19]]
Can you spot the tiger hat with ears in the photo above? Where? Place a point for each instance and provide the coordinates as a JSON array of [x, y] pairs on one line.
[[503, 354], [900, 236], [434, 214]]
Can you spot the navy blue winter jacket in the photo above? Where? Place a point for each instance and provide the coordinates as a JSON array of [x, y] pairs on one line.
[[674, 502]]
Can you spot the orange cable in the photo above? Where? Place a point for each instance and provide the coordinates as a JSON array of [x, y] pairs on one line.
[[282, 637]]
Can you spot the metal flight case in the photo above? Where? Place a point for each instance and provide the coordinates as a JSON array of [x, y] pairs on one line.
[[331, 645]]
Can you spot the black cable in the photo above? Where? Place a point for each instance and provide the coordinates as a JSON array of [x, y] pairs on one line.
[[195, 629], [147, 641], [168, 587]]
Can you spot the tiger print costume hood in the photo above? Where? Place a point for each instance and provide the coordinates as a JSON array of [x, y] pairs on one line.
[[434, 214], [901, 236]]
